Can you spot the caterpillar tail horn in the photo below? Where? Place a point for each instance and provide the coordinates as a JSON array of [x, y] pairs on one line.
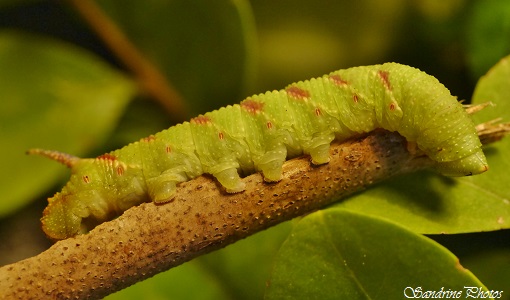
[[61, 157]]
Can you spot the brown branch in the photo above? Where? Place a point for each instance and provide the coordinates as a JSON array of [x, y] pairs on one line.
[[148, 75], [149, 239], [492, 131]]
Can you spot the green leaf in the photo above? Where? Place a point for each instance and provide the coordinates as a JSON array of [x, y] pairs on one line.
[[205, 48], [336, 254], [189, 281], [244, 267], [492, 268], [302, 38], [429, 203], [54, 96], [488, 34], [494, 87]]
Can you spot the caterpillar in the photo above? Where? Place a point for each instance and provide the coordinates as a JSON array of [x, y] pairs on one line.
[[263, 131]]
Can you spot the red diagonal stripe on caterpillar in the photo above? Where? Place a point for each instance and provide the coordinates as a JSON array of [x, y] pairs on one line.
[[297, 93], [252, 106], [385, 77], [107, 156], [201, 120], [338, 80]]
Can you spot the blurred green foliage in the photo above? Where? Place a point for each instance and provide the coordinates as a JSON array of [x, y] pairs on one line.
[[63, 89]]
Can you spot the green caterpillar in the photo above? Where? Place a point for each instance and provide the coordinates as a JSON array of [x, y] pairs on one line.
[[261, 133]]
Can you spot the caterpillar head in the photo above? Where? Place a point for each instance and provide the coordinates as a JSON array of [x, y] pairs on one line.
[[59, 221], [99, 189], [80, 205], [472, 164], [73, 211]]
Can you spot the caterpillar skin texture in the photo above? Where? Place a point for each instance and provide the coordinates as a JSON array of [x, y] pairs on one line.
[[261, 133]]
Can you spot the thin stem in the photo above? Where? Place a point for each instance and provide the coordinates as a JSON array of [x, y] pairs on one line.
[[147, 74]]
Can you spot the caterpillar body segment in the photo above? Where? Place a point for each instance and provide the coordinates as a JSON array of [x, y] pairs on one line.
[[263, 131]]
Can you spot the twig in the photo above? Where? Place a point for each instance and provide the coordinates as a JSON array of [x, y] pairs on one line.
[[472, 109], [492, 131], [149, 239], [148, 75]]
